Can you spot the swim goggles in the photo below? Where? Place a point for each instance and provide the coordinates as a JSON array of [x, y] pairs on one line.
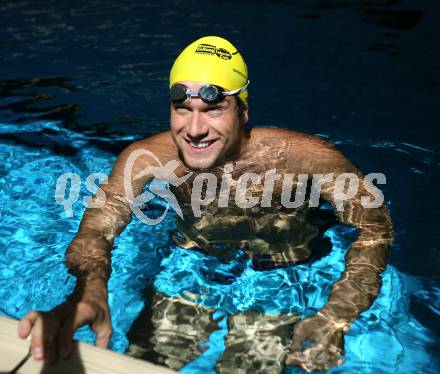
[[210, 93]]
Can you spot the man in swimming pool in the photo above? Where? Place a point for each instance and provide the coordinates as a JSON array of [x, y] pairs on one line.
[[208, 135]]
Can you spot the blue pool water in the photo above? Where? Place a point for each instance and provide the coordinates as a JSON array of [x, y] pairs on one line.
[[80, 81]]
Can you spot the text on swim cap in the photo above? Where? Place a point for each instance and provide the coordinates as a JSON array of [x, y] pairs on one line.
[[209, 49]]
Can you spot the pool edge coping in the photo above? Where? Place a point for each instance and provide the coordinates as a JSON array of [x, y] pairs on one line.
[[85, 359]]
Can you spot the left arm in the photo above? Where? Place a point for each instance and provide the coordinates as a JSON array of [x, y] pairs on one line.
[[364, 262], [360, 282]]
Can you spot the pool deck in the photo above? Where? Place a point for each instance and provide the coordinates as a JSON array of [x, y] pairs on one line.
[[85, 359]]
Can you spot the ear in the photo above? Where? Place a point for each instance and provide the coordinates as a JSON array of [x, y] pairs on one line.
[[245, 116]]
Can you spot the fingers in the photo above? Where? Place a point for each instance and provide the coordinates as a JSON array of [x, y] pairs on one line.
[[52, 333], [103, 333], [317, 357], [65, 344], [297, 342], [44, 333], [44, 327], [299, 336], [99, 318], [26, 324], [37, 339], [83, 315]]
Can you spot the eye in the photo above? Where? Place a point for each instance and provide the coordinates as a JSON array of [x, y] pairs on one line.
[[180, 108], [215, 110]]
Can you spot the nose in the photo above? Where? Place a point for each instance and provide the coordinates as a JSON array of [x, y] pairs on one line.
[[196, 129]]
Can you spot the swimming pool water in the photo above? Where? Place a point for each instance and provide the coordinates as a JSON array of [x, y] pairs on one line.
[[78, 82], [36, 231]]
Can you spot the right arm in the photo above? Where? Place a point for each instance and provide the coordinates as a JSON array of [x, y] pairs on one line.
[[88, 258]]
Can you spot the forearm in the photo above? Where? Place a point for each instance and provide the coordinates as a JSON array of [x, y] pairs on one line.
[[88, 257], [359, 285], [359, 204]]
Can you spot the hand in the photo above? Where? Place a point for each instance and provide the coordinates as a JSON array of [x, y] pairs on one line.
[[52, 332], [326, 347]]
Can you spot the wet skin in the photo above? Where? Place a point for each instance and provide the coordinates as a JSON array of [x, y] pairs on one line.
[[194, 123]]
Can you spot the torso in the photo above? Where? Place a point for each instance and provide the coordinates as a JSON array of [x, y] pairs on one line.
[[273, 235]]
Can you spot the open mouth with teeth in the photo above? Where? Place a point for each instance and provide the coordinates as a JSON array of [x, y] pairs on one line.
[[198, 147]]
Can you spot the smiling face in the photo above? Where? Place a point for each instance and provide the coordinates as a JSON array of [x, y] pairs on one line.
[[206, 134]]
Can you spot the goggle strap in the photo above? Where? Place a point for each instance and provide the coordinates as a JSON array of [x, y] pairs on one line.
[[237, 91]]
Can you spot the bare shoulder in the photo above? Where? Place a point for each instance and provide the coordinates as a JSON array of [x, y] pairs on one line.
[[161, 145], [297, 138], [307, 149], [153, 143], [155, 150]]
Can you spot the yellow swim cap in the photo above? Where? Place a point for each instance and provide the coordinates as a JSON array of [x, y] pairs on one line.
[[212, 60]]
